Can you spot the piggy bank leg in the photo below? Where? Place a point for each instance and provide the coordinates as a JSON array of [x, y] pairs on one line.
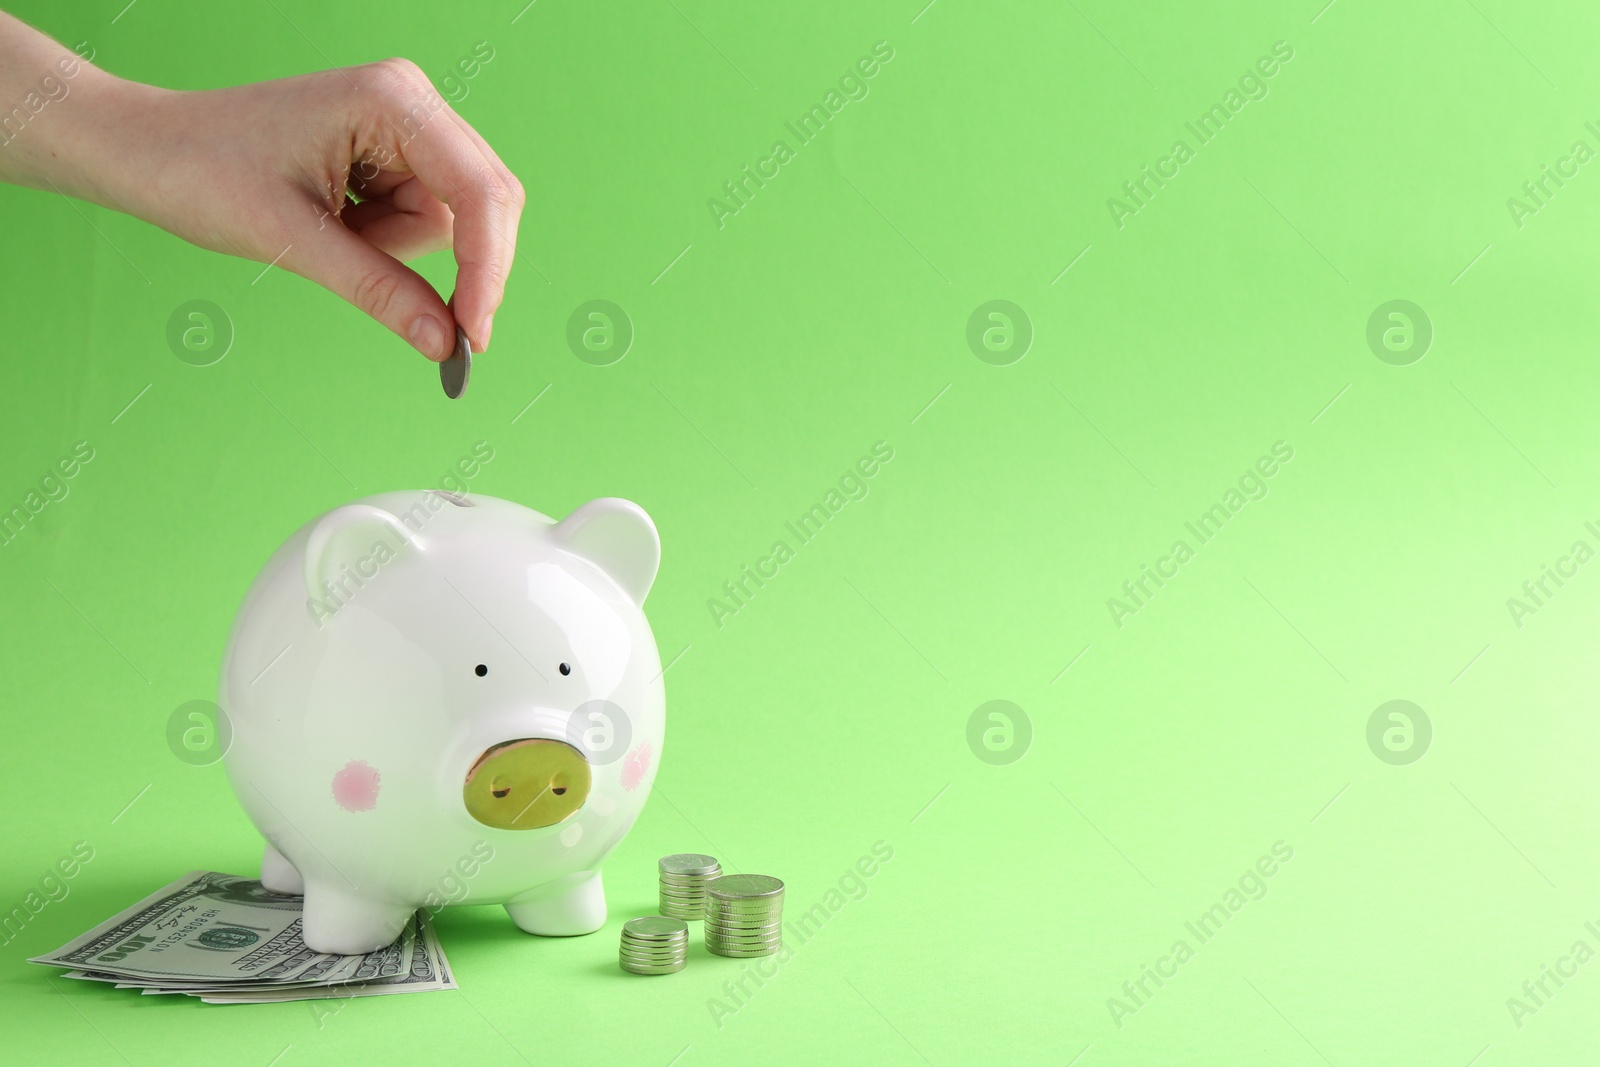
[[572, 905], [338, 919], [278, 874]]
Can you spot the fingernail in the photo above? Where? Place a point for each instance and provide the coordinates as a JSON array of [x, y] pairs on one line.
[[485, 331], [427, 336]]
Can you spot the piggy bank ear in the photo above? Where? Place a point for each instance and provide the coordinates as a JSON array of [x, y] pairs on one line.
[[352, 539], [616, 536]]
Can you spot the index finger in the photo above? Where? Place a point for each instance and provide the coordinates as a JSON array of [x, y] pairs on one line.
[[486, 200]]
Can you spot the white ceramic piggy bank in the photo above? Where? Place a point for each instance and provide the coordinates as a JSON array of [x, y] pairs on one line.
[[439, 699]]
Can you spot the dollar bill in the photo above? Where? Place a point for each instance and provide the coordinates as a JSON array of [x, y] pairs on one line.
[[383, 963], [227, 939], [427, 971]]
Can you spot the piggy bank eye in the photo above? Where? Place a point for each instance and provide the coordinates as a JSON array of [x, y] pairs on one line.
[[481, 669], [566, 669]]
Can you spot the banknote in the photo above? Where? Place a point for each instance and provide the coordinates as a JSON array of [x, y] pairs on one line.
[[426, 971], [229, 940]]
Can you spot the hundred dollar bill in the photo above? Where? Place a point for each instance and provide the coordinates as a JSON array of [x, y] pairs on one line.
[[203, 927], [211, 932], [379, 963], [426, 971]]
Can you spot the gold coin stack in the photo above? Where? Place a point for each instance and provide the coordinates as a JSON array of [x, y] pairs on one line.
[[654, 945], [683, 884], [744, 915]]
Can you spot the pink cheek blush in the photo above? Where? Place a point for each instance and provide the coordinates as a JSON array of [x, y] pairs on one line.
[[355, 786], [635, 767]]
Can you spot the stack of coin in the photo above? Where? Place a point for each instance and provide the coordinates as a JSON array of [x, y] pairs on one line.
[[683, 884], [744, 915], [654, 945]]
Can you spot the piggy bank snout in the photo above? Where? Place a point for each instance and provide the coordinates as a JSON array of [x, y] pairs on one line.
[[526, 783]]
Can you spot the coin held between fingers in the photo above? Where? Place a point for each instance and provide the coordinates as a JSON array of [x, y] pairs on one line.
[[454, 372]]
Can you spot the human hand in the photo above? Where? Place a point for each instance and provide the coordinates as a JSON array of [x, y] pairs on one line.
[[262, 171]]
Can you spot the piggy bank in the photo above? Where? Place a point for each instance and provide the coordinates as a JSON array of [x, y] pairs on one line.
[[437, 699]]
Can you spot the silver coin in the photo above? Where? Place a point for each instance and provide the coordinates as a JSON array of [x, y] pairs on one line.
[[654, 947], [724, 934], [752, 915], [651, 941], [743, 922], [744, 939], [744, 886], [636, 968], [741, 953], [454, 372], [652, 971], [653, 961], [714, 934], [689, 863], [673, 953], [654, 927]]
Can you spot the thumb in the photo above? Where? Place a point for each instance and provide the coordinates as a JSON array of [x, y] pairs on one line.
[[380, 285]]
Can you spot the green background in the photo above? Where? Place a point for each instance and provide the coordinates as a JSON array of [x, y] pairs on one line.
[[830, 713]]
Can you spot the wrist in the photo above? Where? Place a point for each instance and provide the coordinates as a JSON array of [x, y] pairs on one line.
[[73, 128], [103, 147]]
